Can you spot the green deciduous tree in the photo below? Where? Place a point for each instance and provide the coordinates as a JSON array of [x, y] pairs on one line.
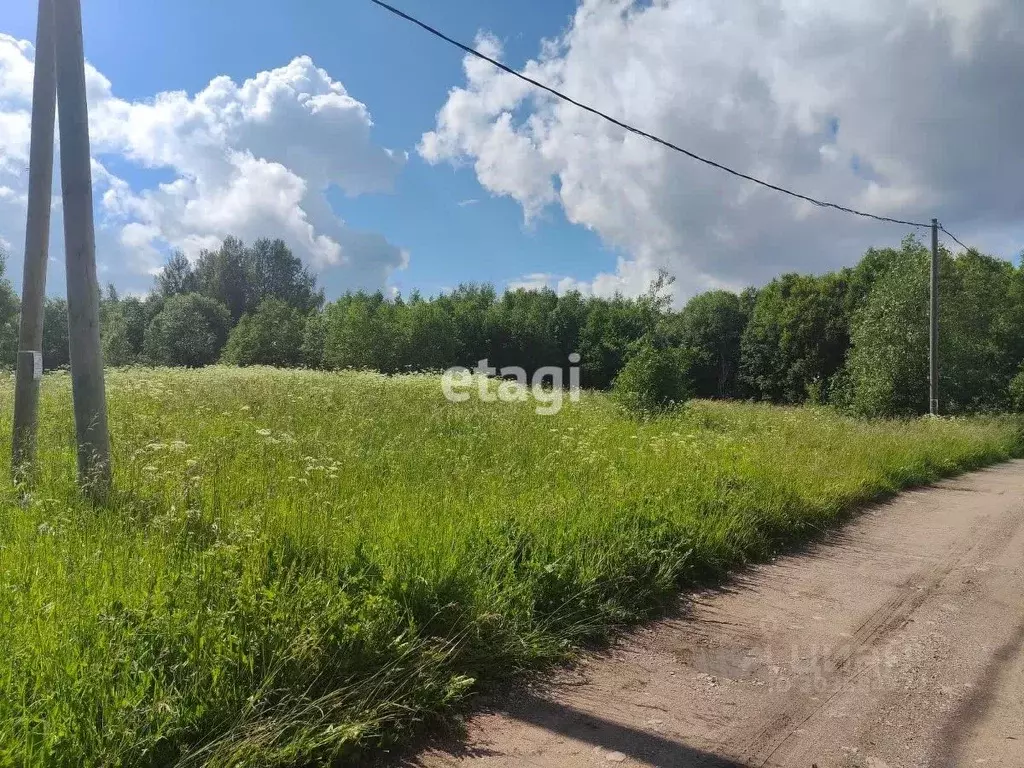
[[567, 323], [887, 367], [176, 277], [981, 332], [314, 340], [1016, 392], [520, 330], [611, 329], [711, 325], [9, 317], [56, 353], [223, 276], [430, 336], [273, 334], [274, 272], [797, 337], [190, 330], [240, 277], [363, 331], [469, 306], [123, 324]]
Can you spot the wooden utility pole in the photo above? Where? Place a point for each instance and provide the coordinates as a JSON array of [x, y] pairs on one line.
[[80, 253], [37, 246], [933, 332]]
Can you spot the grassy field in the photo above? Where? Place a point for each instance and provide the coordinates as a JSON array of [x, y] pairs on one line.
[[298, 564]]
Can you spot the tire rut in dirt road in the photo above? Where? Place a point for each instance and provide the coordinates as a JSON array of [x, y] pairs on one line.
[[793, 714], [894, 643], [983, 540]]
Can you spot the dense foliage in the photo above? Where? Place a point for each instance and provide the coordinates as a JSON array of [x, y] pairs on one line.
[[190, 330], [654, 378], [8, 315], [272, 334], [711, 325], [1017, 392], [796, 339], [856, 338]]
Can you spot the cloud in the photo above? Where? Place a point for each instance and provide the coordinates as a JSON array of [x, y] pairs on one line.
[[629, 280], [533, 282], [906, 108], [467, 203], [254, 159]]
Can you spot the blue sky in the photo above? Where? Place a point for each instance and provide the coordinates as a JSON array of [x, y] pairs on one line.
[[917, 122], [401, 74]]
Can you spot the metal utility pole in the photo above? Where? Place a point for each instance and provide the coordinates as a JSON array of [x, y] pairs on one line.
[[933, 334], [37, 246], [80, 251]]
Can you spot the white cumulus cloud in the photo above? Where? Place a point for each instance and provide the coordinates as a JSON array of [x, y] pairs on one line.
[[906, 108], [254, 159]]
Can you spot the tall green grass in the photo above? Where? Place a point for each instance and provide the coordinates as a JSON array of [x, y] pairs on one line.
[[297, 565]]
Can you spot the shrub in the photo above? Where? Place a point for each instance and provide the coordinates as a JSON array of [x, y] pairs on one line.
[[272, 335], [1017, 392], [190, 330], [117, 349], [654, 379]]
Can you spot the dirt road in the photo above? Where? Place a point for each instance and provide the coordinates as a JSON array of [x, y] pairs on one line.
[[897, 642]]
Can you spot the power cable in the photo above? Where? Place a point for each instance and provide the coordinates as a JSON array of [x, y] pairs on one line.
[[954, 238], [632, 129]]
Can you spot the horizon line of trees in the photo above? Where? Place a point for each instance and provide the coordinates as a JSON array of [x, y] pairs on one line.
[[856, 338]]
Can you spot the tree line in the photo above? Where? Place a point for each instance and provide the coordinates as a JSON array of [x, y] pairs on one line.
[[856, 338]]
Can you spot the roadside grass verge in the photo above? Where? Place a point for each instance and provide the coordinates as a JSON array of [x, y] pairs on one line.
[[297, 566]]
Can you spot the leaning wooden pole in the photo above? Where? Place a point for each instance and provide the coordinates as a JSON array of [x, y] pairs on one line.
[[37, 248], [88, 389]]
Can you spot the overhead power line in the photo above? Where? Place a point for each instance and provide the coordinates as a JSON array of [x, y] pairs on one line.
[[954, 238], [632, 129]]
